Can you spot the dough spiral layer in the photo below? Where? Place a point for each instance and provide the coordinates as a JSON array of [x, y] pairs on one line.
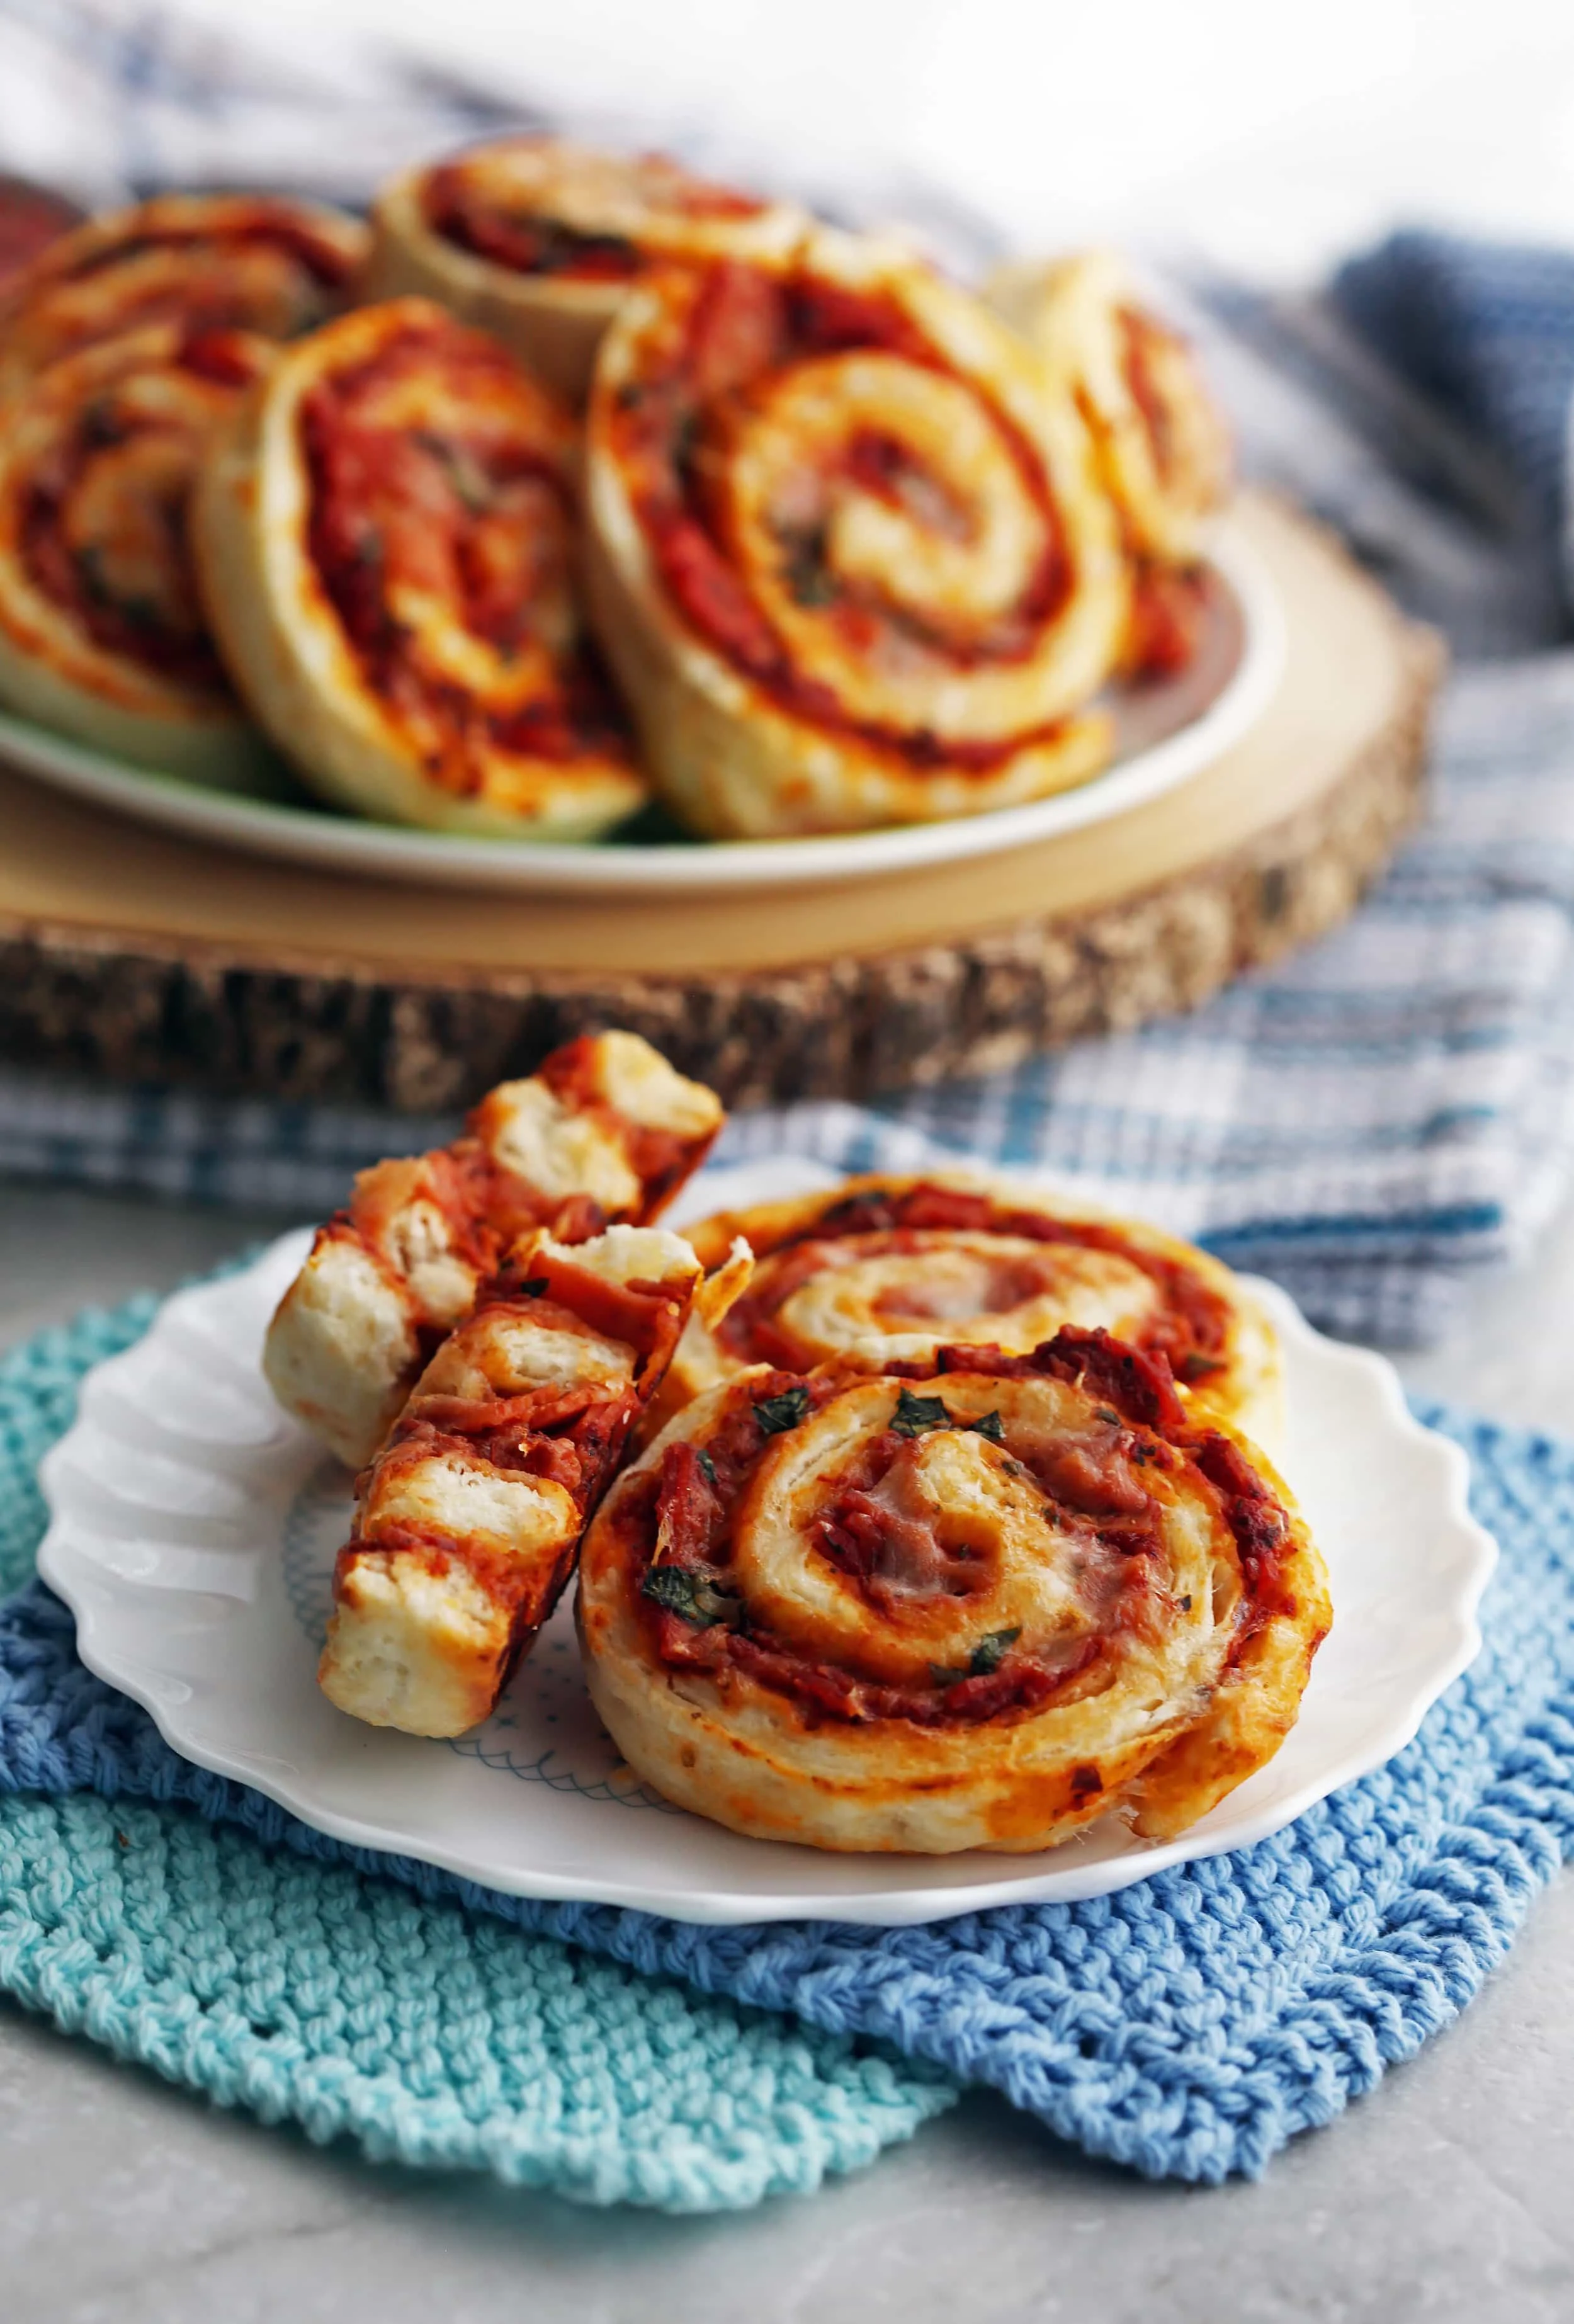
[[102, 634], [847, 560], [976, 1611], [538, 240], [386, 545], [211, 261], [604, 1131], [884, 1270], [467, 1520], [1162, 446]]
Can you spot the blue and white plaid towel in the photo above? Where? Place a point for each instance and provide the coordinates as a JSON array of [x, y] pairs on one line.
[[1376, 1122]]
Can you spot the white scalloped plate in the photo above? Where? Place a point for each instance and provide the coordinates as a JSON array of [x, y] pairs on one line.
[[195, 1527], [1167, 732]]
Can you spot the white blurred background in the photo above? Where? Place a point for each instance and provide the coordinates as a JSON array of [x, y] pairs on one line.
[[1266, 135]]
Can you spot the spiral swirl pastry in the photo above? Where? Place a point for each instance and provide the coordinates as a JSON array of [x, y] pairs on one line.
[[538, 241], [847, 559], [973, 1613], [883, 1271], [210, 261], [385, 544], [102, 633], [468, 1518], [604, 1132], [1162, 445]]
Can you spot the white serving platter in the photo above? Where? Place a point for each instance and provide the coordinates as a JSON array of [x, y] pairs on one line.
[[1167, 732], [194, 1529]]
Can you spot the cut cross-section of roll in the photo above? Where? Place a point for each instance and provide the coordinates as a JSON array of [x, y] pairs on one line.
[[211, 261], [385, 544], [538, 240], [847, 555], [1162, 445], [468, 1521], [603, 1131], [883, 1271], [974, 1612], [102, 634]]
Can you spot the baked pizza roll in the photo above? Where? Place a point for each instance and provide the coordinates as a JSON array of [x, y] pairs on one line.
[[538, 240], [1164, 449], [102, 635], [976, 1611], [847, 556], [386, 546], [468, 1520], [885, 1270], [604, 1131], [212, 262]]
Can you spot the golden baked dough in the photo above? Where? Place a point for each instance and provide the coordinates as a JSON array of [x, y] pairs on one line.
[[102, 635], [233, 261], [385, 545], [972, 1611], [467, 1520], [1162, 445], [604, 1130], [537, 240], [847, 556], [886, 1269]]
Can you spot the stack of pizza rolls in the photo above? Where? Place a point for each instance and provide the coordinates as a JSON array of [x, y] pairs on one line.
[[923, 1513], [1160, 442], [469, 1515], [385, 544], [614, 483], [538, 241], [124, 349], [973, 1604], [604, 1132]]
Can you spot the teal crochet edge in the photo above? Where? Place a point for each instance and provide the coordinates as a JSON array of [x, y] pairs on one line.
[[427, 2034]]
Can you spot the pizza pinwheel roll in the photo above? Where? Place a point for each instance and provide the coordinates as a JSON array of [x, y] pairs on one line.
[[1162, 445], [884, 1270], [537, 240], [210, 261], [102, 635], [976, 1611], [468, 1520], [847, 559], [604, 1130], [385, 546]]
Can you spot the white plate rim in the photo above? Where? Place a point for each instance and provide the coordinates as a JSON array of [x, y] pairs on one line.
[[326, 842], [882, 1908]]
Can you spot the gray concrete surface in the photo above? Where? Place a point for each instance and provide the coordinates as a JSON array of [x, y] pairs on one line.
[[1445, 2197]]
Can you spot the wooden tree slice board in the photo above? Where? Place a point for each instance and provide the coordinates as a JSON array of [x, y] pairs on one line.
[[130, 952]]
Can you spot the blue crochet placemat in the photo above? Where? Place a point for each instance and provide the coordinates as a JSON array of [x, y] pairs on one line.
[[1187, 2026]]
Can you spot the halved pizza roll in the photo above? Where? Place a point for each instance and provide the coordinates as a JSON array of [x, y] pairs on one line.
[[385, 546], [102, 634], [848, 558], [1162, 445], [468, 1521], [882, 1271], [213, 262], [538, 240], [604, 1131], [974, 1612]]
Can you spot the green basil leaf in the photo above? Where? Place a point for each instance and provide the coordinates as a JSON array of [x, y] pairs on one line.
[[915, 1416], [777, 1414], [992, 1651], [991, 1425], [708, 1466], [691, 1595]]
